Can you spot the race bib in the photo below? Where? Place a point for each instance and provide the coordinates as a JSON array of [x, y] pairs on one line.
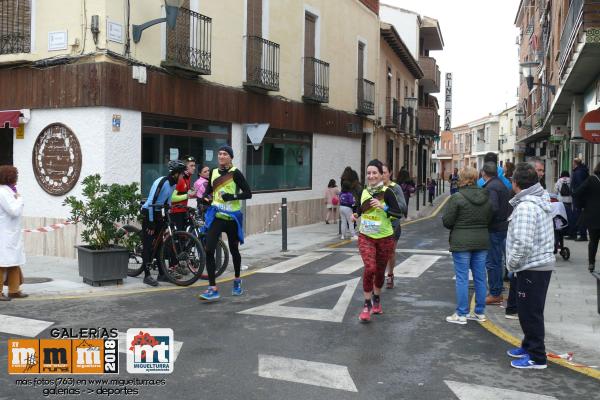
[[225, 207], [369, 226]]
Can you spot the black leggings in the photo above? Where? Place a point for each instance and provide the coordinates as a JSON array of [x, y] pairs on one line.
[[217, 227], [593, 245]]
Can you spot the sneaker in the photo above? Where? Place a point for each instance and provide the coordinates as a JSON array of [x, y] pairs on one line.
[[457, 319], [494, 300], [477, 317], [581, 239], [389, 282], [592, 267], [527, 363], [162, 278], [342, 237], [237, 288], [149, 280], [365, 315], [354, 238], [511, 316], [210, 294], [377, 308], [517, 352]]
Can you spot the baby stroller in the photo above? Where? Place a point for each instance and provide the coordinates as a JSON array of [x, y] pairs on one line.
[[560, 220]]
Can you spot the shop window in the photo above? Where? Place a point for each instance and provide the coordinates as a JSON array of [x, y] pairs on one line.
[[283, 162]]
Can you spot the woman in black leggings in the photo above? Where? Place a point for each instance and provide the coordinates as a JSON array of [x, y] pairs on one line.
[[588, 195]]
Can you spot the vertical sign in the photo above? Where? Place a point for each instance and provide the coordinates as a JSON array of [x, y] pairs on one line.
[[448, 102]]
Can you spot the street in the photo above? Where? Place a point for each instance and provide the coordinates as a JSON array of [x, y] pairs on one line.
[[290, 336]]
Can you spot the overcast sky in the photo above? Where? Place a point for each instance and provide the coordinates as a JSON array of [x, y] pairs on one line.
[[480, 51]]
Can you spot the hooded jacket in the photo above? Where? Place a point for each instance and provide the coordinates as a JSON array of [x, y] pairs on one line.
[[499, 196], [530, 239], [468, 215]]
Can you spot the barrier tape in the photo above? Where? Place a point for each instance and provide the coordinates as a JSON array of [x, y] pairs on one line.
[[568, 357], [50, 228]]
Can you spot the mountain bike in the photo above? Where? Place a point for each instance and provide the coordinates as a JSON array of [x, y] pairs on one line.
[[180, 254]]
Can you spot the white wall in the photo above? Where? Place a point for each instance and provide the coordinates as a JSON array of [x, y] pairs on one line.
[[406, 23], [331, 154], [114, 155]]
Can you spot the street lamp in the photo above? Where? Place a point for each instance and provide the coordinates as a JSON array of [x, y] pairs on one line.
[[527, 69], [171, 10], [410, 102]]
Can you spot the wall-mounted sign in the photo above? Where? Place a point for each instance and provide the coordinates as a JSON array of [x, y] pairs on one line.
[[448, 102], [57, 40], [20, 131], [116, 122], [589, 126], [114, 31], [56, 159]]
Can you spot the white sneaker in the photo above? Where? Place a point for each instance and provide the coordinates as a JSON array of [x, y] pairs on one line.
[[342, 237], [511, 316], [354, 237], [457, 319], [477, 317]]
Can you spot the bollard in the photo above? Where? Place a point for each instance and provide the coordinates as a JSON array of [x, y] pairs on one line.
[[417, 191], [443, 185], [284, 224], [424, 194]]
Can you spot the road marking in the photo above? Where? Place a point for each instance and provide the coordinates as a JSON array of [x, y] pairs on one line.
[[468, 391], [336, 314], [345, 267], [412, 251], [414, 266], [288, 265], [123, 345], [308, 372], [23, 326]]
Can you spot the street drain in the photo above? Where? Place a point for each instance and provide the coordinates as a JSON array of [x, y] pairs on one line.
[[34, 280]]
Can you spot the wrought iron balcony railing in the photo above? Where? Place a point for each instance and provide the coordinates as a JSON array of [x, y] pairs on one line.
[[570, 32], [403, 120], [15, 27], [262, 64], [189, 43], [316, 80], [366, 97], [391, 112]]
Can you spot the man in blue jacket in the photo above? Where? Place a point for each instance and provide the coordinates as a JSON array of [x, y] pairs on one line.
[[579, 175], [493, 157]]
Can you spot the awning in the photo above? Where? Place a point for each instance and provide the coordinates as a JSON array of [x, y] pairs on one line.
[[10, 117]]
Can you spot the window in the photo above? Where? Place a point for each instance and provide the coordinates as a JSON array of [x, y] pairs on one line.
[[165, 139], [15, 26], [283, 162]]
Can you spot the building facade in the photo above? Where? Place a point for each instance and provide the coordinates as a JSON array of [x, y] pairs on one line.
[[507, 135]]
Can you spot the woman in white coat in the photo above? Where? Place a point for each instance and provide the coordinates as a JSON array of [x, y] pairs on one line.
[[12, 252]]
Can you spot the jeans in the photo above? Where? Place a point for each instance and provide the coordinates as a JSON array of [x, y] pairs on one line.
[[463, 261], [532, 287], [495, 262]]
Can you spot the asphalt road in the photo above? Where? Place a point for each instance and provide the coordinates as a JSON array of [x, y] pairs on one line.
[[312, 347]]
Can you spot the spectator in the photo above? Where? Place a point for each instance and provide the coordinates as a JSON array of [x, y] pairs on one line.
[[407, 185], [493, 157], [347, 208], [201, 183], [499, 196], [540, 169], [588, 196], [453, 180], [12, 252], [563, 188], [509, 169], [579, 175], [431, 184], [332, 200], [351, 176], [468, 215], [530, 255]]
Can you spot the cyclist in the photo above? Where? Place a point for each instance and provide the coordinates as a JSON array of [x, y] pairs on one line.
[[183, 191], [226, 187], [152, 221]]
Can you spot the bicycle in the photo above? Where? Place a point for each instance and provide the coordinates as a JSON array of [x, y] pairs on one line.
[[179, 253]]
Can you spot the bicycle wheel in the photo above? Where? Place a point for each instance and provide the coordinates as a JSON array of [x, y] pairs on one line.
[[221, 258], [182, 258], [131, 237]]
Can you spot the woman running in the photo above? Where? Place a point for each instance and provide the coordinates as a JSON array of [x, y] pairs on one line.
[[395, 222], [376, 241]]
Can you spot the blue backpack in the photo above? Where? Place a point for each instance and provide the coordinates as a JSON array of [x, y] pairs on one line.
[[347, 199]]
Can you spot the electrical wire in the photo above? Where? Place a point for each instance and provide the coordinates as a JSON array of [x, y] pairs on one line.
[[84, 34]]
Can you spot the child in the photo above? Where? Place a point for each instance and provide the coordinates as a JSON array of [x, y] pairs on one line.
[[431, 184], [331, 200]]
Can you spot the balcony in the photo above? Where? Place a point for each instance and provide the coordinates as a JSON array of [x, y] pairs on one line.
[[392, 113], [403, 120], [316, 81], [189, 44], [570, 33], [262, 65], [429, 121], [431, 75], [366, 97], [15, 27]]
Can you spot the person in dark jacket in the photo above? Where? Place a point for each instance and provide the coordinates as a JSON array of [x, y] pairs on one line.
[[588, 196], [499, 197], [468, 216], [579, 175]]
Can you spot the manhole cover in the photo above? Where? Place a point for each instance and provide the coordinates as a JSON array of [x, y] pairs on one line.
[[34, 280]]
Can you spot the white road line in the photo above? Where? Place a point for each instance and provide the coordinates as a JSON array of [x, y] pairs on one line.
[[296, 262], [412, 251], [308, 372], [336, 314], [123, 345], [414, 266], [345, 267], [468, 391], [23, 326]]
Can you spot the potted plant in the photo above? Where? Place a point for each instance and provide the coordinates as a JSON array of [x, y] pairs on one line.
[[101, 260]]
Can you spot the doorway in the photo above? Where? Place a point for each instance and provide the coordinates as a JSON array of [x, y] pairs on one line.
[[6, 146]]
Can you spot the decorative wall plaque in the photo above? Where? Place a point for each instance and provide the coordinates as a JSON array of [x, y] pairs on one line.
[[56, 159]]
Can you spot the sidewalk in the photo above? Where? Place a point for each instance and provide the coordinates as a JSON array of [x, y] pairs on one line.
[[571, 315], [62, 278]]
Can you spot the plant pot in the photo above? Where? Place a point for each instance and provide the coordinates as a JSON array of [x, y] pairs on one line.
[[103, 267]]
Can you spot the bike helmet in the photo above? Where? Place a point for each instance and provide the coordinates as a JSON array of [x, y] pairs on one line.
[[176, 166]]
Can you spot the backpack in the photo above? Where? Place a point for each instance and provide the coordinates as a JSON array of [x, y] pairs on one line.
[[347, 199], [565, 190]]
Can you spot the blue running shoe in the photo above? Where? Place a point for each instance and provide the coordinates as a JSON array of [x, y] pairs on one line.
[[237, 287], [526, 363], [210, 294], [518, 352]]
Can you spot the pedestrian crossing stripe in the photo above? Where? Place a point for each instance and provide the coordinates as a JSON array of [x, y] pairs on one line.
[[289, 265], [345, 267], [19, 326], [469, 391]]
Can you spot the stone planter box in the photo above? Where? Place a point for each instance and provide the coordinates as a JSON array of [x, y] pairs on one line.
[[103, 267]]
